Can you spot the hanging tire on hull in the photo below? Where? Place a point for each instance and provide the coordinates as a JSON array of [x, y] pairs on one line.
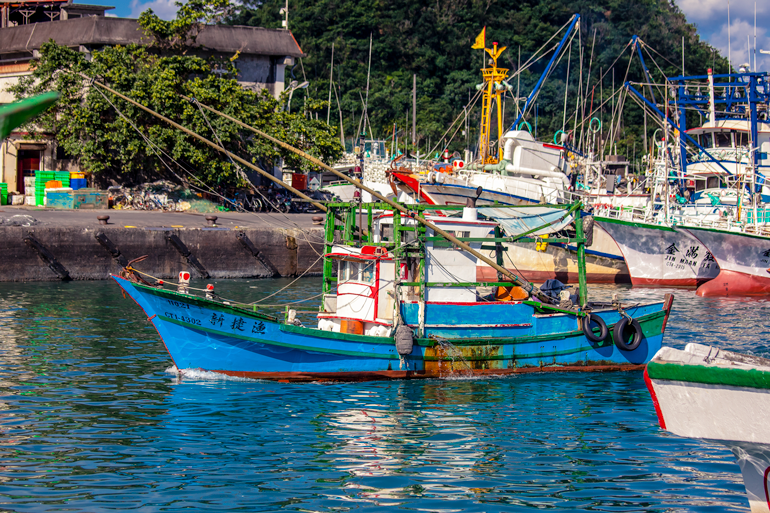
[[589, 332], [621, 333]]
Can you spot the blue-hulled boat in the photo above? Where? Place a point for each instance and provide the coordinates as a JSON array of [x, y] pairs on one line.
[[405, 304]]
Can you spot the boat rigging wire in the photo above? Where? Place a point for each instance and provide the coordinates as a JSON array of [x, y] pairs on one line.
[[529, 287], [160, 153]]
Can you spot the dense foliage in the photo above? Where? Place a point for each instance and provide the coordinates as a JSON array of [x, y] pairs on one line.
[[89, 128], [433, 40]]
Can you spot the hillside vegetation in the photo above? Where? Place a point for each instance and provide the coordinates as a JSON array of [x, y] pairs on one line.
[[433, 40]]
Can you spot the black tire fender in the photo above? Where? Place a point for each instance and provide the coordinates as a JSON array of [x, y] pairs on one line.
[[589, 333], [618, 334]]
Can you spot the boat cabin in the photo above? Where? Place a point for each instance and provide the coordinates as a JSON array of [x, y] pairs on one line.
[[365, 299], [728, 142]]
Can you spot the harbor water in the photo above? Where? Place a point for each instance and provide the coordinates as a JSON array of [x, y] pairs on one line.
[[94, 417]]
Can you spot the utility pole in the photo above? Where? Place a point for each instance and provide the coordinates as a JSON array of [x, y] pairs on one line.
[[285, 12], [414, 110]]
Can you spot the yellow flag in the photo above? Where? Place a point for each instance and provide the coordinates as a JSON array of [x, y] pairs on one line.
[[480, 40]]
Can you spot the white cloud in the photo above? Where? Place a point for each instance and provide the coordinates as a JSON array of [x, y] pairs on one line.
[[712, 11], [710, 18], [165, 9], [741, 48]]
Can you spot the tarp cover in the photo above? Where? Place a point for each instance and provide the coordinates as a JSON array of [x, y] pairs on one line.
[[515, 221]]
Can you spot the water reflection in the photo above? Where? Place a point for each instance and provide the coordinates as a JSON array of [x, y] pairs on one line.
[[91, 421]]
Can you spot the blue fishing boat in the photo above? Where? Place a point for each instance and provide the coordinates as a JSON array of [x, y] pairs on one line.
[[406, 303]]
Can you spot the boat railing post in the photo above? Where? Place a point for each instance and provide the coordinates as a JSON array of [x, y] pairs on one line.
[[350, 223], [397, 264], [499, 251], [369, 217], [581, 256], [328, 267], [420, 233]]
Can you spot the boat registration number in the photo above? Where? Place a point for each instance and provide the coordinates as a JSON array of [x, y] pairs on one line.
[[182, 318]]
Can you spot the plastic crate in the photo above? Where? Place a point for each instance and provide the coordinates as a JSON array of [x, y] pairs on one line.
[[78, 183]]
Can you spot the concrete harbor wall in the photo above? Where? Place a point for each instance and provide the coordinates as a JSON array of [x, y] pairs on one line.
[[50, 251]]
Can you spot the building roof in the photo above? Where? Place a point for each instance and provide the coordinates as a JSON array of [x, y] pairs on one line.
[[100, 30]]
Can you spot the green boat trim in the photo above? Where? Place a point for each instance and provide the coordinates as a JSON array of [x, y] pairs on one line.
[[634, 224], [728, 232], [701, 374]]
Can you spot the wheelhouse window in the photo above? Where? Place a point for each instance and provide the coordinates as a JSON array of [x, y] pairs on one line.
[[741, 139], [367, 272], [723, 140], [348, 270], [357, 271], [386, 232], [705, 140]]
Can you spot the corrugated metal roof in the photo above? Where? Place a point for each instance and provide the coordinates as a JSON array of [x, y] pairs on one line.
[[100, 30]]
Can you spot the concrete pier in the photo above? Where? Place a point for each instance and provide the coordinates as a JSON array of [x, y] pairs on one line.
[[73, 244]]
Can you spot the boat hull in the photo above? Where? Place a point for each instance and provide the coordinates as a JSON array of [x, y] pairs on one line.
[[208, 335], [724, 397], [743, 258], [661, 255]]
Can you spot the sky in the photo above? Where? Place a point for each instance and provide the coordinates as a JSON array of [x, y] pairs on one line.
[[709, 17]]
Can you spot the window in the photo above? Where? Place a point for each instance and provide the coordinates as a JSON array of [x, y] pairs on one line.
[[705, 140], [723, 140], [348, 271], [386, 232], [355, 271], [367, 272], [741, 139]]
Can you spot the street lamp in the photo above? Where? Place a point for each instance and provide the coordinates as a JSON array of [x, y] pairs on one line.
[[293, 86]]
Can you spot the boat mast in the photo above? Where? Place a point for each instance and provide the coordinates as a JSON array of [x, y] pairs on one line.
[[494, 86]]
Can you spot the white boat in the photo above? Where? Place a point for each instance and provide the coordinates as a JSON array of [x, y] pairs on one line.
[[529, 172], [658, 254], [743, 255], [722, 396]]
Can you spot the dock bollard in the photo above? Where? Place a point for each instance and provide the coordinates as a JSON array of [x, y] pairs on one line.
[[103, 219], [211, 220]]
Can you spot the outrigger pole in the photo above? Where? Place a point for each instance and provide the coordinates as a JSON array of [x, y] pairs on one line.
[[213, 145], [451, 238], [530, 288]]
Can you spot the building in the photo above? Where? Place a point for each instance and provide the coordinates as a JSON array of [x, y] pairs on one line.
[[263, 55]]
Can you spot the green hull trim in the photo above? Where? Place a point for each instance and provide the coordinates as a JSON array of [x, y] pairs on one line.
[[709, 375], [634, 224], [728, 232]]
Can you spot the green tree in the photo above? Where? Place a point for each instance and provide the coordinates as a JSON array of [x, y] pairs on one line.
[[86, 122]]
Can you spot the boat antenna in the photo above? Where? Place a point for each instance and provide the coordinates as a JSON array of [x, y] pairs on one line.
[[342, 128], [368, 74], [331, 82], [414, 110], [729, 42]]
